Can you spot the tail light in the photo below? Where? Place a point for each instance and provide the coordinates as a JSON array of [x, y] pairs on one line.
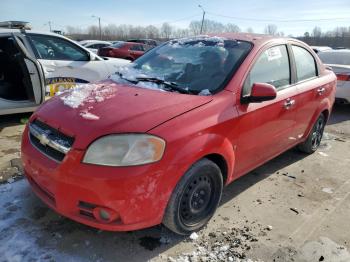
[[343, 77]]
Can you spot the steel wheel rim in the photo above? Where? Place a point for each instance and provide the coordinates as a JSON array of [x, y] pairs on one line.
[[317, 134], [197, 201]]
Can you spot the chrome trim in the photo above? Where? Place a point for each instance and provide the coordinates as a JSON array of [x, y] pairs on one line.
[[45, 140], [50, 157]]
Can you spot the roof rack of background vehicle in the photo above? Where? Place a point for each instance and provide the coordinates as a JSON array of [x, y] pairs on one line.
[[15, 25]]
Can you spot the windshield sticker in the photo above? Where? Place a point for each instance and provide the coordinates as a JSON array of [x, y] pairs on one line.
[[273, 53]]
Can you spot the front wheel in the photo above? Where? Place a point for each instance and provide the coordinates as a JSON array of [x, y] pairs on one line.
[[313, 141], [195, 198]]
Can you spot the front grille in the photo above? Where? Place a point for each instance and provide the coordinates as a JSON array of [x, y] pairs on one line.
[[49, 141]]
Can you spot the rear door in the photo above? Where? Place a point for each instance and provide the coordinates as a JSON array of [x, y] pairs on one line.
[[267, 128], [312, 88]]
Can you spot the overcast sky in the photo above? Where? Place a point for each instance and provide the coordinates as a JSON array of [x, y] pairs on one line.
[[291, 17]]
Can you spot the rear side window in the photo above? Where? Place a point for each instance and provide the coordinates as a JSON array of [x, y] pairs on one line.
[[272, 67], [54, 48], [305, 63]]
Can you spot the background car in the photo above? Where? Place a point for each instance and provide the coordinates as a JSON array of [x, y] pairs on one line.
[[318, 49], [149, 42], [30, 60], [65, 62], [126, 50], [339, 60], [94, 45]]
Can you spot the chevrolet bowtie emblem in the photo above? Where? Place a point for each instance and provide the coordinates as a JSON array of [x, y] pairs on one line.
[[44, 140]]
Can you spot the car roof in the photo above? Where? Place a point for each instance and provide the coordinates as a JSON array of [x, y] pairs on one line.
[[256, 39], [337, 51], [94, 41]]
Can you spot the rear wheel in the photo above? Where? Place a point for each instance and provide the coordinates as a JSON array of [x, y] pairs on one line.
[[195, 198], [313, 141]]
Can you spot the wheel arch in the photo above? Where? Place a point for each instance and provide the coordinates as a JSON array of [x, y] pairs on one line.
[[221, 162]]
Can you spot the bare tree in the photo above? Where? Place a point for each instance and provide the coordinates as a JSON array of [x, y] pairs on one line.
[[270, 29], [250, 30], [166, 30], [152, 32], [316, 32], [232, 28], [195, 27]]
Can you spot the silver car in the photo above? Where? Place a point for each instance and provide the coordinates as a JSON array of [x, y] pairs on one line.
[[339, 60]]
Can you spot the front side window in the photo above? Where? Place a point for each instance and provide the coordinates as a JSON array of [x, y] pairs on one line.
[[194, 64], [305, 63], [272, 67], [54, 48]]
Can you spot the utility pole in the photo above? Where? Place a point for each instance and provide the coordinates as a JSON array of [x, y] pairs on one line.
[[99, 25], [202, 17], [49, 24]]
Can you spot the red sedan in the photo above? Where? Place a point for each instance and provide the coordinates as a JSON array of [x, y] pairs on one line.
[[158, 141], [125, 50]]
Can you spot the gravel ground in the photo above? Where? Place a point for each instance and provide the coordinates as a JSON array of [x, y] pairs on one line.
[[294, 208]]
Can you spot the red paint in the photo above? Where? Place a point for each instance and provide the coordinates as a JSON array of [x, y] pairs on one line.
[[245, 135], [125, 52]]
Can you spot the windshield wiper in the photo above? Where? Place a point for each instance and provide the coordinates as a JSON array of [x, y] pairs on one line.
[[124, 78], [169, 85]]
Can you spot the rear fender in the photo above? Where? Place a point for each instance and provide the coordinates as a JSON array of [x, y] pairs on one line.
[[325, 105]]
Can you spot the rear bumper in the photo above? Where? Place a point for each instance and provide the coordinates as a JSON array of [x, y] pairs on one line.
[[138, 195]]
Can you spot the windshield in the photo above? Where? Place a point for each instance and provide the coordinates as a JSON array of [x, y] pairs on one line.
[[335, 58], [200, 65]]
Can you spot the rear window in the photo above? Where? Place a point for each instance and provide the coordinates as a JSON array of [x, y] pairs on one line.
[[336, 58]]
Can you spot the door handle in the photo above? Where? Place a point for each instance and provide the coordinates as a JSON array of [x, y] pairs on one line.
[[288, 103], [321, 90]]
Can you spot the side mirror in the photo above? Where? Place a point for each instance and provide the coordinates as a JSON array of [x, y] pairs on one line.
[[261, 92]]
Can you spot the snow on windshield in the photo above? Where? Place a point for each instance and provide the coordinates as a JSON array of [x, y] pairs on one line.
[[125, 74]]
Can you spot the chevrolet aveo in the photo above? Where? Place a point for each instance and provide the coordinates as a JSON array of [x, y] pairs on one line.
[[157, 141]]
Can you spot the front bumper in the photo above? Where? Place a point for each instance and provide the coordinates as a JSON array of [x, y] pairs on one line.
[[138, 195]]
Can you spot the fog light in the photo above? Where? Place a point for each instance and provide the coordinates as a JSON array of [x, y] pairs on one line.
[[105, 215]]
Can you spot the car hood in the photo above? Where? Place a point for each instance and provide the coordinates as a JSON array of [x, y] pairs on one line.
[[93, 110]]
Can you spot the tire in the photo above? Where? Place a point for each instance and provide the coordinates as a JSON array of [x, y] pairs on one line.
[[195, 198], [314, 139]]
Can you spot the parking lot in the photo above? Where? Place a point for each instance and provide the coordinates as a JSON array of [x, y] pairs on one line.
[[290, 209]]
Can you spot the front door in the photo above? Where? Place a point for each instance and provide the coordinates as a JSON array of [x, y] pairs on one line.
[[65, 63], [267, 128], [29, 89]]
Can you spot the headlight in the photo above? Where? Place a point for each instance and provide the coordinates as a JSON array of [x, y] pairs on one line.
[[125, 150]]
